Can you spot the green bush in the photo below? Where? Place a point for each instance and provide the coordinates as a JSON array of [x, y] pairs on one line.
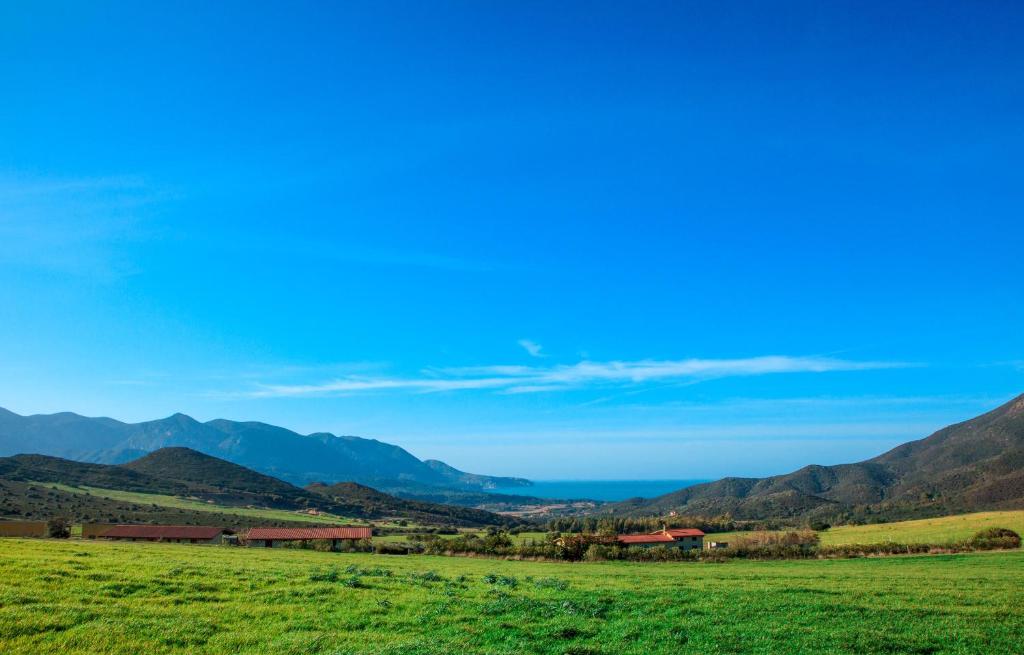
[[995, 538], [394, 548], [58, 528]]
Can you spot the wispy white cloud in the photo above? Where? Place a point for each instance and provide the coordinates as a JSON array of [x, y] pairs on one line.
[[586, 374], [532, 347]]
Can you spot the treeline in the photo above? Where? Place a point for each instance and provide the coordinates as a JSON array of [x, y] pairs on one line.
[[500, 544], [796, 544], [642, 525]]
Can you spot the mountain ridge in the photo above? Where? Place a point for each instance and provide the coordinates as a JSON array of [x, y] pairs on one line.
[[971, 465], [272, 450]]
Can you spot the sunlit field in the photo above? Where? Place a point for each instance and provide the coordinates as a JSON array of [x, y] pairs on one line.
[[946, 529], [87, 597]]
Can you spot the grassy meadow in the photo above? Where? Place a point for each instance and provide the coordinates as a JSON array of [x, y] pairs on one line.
[[201, 506], [88, 597], [946, 529]]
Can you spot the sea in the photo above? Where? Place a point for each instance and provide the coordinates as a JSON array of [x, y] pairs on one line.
[[606, 490]]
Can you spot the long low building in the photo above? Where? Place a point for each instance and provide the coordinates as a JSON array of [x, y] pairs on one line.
[[23, 528], [94, 530], [182, 534], [273, 537]]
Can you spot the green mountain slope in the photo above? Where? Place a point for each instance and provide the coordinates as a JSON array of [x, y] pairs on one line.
[[42, 468], [201, 472], [974, 465], [188, 473]]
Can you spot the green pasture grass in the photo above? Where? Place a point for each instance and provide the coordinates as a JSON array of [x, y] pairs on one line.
[[201, 506], [946, 529], [78, 597], [528, 537]]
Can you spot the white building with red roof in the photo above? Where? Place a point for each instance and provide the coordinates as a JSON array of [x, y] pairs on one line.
[[684, 538]]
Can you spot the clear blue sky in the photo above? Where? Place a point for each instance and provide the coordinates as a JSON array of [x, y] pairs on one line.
[[632, 240]]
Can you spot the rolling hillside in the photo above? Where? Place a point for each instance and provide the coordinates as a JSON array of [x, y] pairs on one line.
[[299, 459], [970, 466], [44, 501], [186, 473], [939, 530]]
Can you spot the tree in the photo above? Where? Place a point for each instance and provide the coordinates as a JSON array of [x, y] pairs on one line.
[[58, 528]]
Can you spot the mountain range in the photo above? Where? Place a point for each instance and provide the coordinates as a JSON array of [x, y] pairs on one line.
[[974, 465], [41, 486], [970, 466], [282, 453]]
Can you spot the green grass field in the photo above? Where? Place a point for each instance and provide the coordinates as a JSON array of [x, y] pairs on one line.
[[97, 597], [946, 529]]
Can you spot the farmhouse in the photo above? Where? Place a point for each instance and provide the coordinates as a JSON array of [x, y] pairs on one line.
[[655, 539], [684, 538], [274, 537], [182, 534], [687, 538]]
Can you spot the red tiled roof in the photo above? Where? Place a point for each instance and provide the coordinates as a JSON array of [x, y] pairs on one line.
[[288, 534], [684, 532], [162, 532], [657, 538]]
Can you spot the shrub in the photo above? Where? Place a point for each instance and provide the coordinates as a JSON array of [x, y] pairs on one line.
[[995, 538], [375, 572], [502, 580], [884, 548], [427, 576], [775, 539], [394, 548], [58, 528]]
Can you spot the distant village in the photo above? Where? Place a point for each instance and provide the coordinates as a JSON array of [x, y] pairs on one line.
[[337, 536]]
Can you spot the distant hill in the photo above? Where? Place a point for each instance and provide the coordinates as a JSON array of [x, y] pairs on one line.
[[200, 472], [188, 473], [974, 465], [299, 459], [43, 468], [382, 504]]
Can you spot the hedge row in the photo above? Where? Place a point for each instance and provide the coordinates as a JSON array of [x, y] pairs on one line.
[[764, 546]]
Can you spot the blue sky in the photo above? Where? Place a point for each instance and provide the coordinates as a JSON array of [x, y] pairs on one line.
[[633, 240]]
